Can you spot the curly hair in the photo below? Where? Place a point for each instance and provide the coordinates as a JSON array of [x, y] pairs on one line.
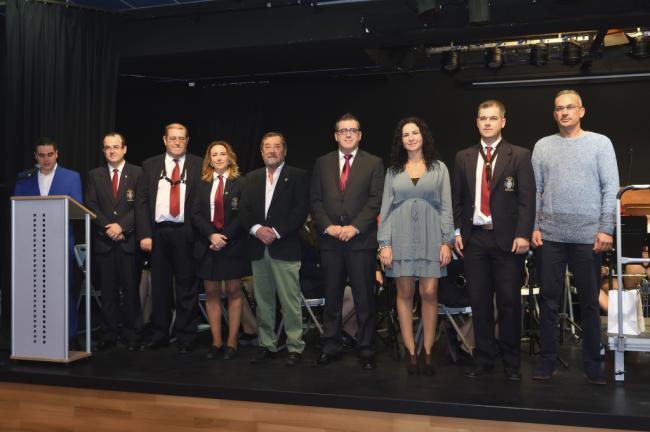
[[398, 155]]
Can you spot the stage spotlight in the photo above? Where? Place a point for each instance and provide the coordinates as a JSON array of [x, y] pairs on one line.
[[479, 11], [427, 7], [451, 61], [539, 54], [494, 58], [571, 53], [640, 47]]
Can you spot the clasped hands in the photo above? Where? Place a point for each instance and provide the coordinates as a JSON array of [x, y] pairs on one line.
[[114, 231], [266, 235], [217, 241], [343, 233]]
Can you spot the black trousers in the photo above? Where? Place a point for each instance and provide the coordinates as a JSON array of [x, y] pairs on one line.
[[585, 266], [359, 267], [173, 284], [118, 271], [490, 271]]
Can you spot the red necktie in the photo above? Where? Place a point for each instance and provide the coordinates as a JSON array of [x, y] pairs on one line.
[[175, 191], [217, 220], [346, 171], [485, 187], [116, 180]]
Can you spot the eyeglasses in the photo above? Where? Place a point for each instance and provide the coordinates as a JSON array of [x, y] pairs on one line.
[[351, 131], [560, 108], [175, 138]]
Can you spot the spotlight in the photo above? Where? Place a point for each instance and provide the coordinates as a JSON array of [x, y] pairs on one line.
[[451, 61], [539, 54], [479, 11], [571, 53], [640, 47], [494, 58]]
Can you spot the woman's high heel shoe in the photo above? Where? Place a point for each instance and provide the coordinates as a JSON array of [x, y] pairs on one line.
[[412, 365], [428, 368]]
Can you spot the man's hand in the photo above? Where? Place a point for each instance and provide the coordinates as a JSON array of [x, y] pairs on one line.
[[603, 242], [333, 230], [266, 235], [445, 254], [218, 241], [347, 232], [458, 245], [146, 244], [386, 257], [537, 238], [520, 245], [113, 231], [379, 277]]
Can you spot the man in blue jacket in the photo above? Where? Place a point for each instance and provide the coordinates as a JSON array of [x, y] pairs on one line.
[[51, 179]]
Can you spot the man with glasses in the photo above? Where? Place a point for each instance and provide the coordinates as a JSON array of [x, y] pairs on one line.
[[346, 190], [577, 181], [164, 196], [110, 194]]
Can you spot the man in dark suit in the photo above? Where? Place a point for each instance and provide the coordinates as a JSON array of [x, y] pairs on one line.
[[163, 203], [111, 196], [346, 190], [494, 212], [46, 179], [274, 206]]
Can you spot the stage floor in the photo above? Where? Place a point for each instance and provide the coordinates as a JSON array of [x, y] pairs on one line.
[[567, 400]]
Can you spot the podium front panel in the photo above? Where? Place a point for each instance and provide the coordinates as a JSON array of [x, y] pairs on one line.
[[40, 256]]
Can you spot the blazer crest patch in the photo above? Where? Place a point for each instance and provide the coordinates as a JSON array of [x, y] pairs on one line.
[[509, 184]]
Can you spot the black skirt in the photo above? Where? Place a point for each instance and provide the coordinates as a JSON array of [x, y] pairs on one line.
[[216, 266]]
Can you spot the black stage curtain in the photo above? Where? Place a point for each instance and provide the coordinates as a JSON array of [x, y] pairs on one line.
[[61, 77]]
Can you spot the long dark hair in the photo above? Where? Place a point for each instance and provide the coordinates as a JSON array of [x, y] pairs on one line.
[[399, 157]]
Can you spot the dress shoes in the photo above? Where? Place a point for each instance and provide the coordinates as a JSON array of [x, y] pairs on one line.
[[229, 352], [512, 374], [427, 365], [293, 359], [325, 359], [478, 371], [104, 344], [596, 378], [213, 352], [368, 363], [543, 374], [154, 344], [261, 355], [185, 347], [412, 364]]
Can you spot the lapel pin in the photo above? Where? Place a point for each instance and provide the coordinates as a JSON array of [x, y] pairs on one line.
[[286, 179]]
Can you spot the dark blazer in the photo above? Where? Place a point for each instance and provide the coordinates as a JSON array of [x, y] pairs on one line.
[[512, 193], [147, 191], [232, 224], [287, 212], [358, 206], [99, 199]]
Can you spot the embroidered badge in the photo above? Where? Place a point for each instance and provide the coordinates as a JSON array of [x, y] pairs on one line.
[[130, 195], [509, 184], [234, 203]]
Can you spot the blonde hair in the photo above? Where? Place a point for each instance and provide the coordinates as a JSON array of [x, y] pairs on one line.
[[207, 172], [490, 103]]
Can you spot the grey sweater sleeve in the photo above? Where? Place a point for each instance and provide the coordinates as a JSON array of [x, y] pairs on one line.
[[609, 184]]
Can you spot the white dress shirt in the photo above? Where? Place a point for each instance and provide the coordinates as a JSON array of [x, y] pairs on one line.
[[164, 187], [45, 181], [268, 195], [119, 169], [342, 159], [215, 186], [479, 218]]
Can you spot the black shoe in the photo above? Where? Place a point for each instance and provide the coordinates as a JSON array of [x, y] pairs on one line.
[[293, 359], [185, 347], [478, 371], [325, 359], [229, 352], [154, 344], [246, 339], [543, 374], [427, 366], [597, 378], [213, 352], [368, 363], [512, 374], [262, 355], [412, 363], [104, 344]]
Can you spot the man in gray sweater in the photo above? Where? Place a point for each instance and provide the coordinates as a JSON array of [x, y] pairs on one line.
[[577, 181]]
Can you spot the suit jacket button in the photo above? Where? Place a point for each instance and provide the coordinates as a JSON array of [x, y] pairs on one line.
[[114, 212]]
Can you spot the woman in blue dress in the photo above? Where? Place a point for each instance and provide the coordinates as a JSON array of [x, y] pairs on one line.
[[416, 230]]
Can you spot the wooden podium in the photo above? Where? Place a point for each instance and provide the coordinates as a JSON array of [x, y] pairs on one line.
[[40, 263]]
